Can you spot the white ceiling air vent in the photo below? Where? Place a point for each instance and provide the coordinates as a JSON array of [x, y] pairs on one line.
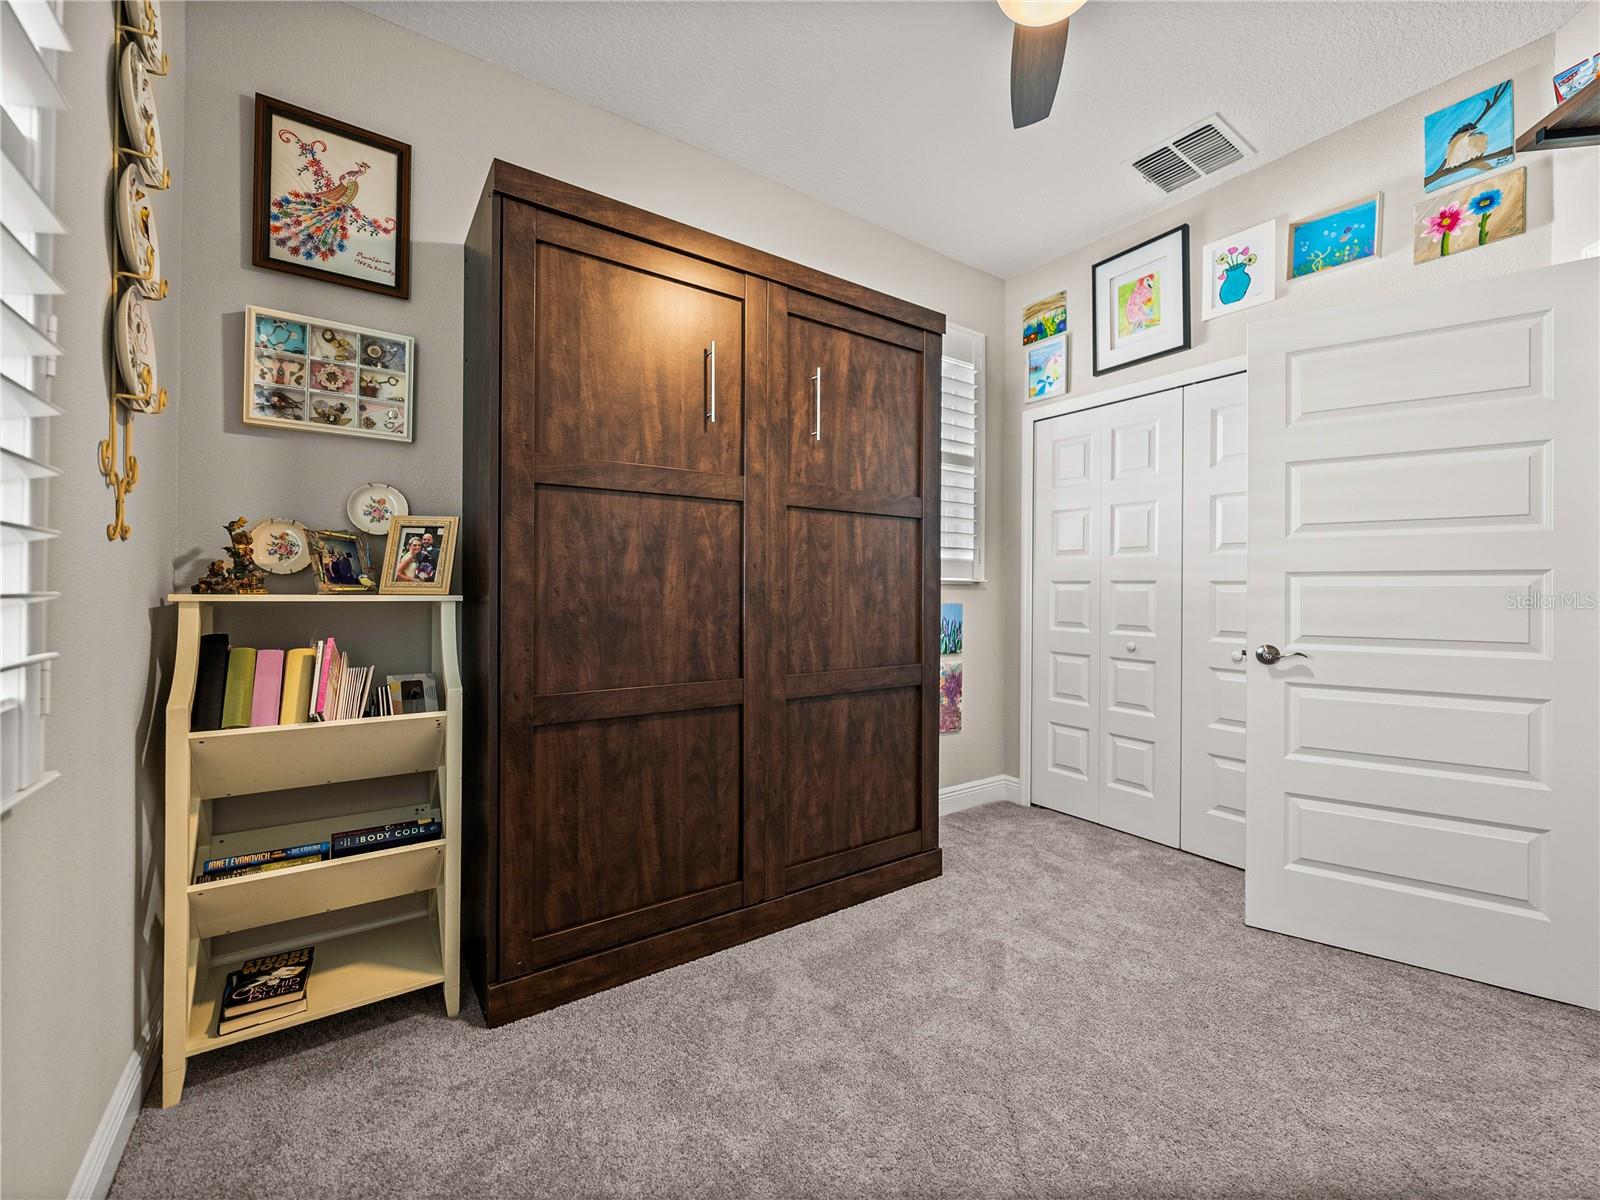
[[1200, 150]]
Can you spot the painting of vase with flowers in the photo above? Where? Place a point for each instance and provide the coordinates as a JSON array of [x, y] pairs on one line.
[[1240, 270], [1488, 210]]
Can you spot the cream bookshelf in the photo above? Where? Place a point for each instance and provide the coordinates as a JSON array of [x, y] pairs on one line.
[[358, 961]]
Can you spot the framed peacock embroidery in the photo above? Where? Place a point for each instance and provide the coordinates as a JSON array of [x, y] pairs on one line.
[[331, 201]]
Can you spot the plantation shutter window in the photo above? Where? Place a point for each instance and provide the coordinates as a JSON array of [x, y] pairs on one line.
[[31, 41], [961, 457]]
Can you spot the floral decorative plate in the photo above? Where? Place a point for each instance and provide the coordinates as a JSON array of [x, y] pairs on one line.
[[136, 231], [136, 352], [373, 505], [145, 16], [279, 546], [139, 115]]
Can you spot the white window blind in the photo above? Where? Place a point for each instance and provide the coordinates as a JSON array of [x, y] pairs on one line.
[[31, 42], [961, 457]]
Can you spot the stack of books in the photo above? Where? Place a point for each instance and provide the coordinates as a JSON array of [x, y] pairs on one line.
[[343, 844], [265, 989], [235, 865], [239, 687]]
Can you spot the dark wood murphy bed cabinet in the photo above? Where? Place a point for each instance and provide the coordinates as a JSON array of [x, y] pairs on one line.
[[702, 593]]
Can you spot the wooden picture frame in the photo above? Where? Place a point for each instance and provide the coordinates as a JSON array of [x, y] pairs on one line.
[[1163, 259], [325, 547], [433, 578], [308, 164]]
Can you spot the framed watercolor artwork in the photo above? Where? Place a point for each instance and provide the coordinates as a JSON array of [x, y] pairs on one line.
[[1239, 271], [323, 376], [950, 628], [1141, 302], [1047, 368], [1336, 237], [420, 555], [1044, 319], [331, 201], [1467, 138], [1484, 211], [950, 698]]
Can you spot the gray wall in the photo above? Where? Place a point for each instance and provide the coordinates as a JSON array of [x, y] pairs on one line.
[[79, 884], [458, 114]]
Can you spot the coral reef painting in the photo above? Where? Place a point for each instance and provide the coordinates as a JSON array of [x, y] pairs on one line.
[[1335, 238]]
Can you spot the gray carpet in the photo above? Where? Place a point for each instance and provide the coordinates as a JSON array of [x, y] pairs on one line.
[[1067, 1012]]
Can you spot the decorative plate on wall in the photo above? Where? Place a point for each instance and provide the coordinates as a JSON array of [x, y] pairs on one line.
[[136, 353], [136, 230], [145, 17], [279, 546], [373, 505], [139, 114]]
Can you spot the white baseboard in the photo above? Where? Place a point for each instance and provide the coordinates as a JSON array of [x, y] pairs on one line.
[[116, 1123], [980, 791]]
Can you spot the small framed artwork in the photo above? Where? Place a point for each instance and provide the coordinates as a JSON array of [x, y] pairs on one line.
[[1044, 319], [1336, 237], [1467, 138], [1141, 302], [950, 698], [950, 628], [420, 556], [331, 201], [340, 560], [1240, 271], [1484, 211], [1047, 368], [326, 377]]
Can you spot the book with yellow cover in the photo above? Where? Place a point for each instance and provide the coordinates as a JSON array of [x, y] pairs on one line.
[[298, 672], [237, 697]]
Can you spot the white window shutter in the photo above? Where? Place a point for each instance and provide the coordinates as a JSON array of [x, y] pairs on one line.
[[961, 456], [31, 42]]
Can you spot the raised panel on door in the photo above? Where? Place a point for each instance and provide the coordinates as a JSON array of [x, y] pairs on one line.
[[634, 590], [856, 427], [853, 790], [1068, 461], [616, 829], [1216, 521], [625, 369], [854, 591], [1140, 514], [1425, 517]]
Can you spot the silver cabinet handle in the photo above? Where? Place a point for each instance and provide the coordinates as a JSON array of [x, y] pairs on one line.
[[1269, 654], [816, 431], [711, 404]]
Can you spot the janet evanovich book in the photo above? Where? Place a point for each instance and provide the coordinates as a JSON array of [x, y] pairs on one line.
[[267, 981]]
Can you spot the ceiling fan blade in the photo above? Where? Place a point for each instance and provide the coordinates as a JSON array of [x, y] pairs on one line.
[[1036, 57]]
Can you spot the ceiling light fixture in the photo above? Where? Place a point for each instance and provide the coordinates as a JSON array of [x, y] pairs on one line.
[[1036, 14], [1038, 48]]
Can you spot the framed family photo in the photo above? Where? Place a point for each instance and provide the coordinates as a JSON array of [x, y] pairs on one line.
[[1141, 302], [420, 556], [331, 201], [340, 561]]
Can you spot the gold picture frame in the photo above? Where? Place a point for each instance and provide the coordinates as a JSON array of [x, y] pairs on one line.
[[420, 569], [340, 561]]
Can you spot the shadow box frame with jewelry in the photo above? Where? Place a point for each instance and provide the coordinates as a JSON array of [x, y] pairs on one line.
[[317, 375]]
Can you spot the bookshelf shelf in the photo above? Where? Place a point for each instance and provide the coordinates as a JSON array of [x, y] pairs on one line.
[[356, 961], [350, 970], [270, 758]]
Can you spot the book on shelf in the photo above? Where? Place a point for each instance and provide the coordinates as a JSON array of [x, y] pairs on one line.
[[268, 694], [265, 989], [258, 868], [327, 660], [298, 668], [385, 837], [236, 700], [211, 683], [310, 851]]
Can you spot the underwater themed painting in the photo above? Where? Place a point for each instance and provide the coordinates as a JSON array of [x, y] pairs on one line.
[[1335, 238]]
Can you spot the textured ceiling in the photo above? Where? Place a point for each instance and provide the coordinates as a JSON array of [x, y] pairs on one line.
[[899, 112]]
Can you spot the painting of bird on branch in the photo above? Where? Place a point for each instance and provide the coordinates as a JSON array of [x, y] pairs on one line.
[[1468, 138]]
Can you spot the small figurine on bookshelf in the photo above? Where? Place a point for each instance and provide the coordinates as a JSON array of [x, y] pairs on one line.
[[241, 577]]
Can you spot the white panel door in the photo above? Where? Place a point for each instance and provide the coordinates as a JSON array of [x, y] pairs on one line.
[[1141, 596], [1067, 467], [1425, 526]]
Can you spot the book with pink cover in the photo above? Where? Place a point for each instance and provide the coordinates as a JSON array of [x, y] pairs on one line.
[[265, 702], [330, 655]]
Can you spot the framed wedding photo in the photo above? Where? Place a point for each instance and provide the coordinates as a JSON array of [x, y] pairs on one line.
[[420, 556], [331, 201], [1141, 302]]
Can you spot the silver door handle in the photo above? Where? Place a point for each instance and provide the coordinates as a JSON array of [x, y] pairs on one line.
[[1269, 654], [711, 358], [816, 431]]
